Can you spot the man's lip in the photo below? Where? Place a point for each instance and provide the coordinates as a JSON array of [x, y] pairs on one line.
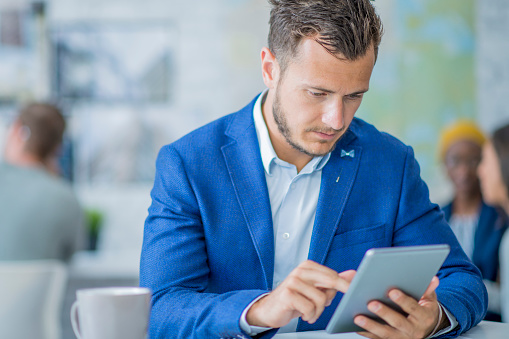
[[326, 136]]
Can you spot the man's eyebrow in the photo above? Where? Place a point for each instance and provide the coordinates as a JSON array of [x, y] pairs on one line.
[[320, 89], [359, 92], [329, 91]]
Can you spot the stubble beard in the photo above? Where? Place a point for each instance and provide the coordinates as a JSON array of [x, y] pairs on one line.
[[282, 125]]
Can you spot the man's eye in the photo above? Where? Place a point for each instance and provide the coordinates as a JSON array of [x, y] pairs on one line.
[[317, 94], [355, 96]]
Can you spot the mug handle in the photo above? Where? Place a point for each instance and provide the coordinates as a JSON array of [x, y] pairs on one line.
[[74, 319]]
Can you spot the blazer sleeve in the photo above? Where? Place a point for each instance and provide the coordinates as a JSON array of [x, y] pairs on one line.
[[174, 263], [461, 290]]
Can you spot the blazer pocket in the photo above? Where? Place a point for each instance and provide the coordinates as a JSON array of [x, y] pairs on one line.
[[359, 236]]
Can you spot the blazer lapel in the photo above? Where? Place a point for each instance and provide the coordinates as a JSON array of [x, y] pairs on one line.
[[243, 159], [338, 177]]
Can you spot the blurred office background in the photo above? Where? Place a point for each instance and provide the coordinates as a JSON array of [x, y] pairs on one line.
[[133, 75]]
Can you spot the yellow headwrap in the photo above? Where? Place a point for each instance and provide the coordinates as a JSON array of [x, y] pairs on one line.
[[462, 130]]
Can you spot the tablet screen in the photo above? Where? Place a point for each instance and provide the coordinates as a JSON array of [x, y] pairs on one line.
[[408, 268]]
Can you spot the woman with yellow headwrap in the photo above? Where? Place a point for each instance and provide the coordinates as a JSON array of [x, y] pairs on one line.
[[478, 227]]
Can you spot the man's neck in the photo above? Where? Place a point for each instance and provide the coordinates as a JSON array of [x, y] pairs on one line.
[[25, 160]]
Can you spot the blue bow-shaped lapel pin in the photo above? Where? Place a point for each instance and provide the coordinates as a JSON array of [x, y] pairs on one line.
[[350, 154]]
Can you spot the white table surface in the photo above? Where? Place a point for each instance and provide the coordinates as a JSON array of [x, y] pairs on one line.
[[485, 330]]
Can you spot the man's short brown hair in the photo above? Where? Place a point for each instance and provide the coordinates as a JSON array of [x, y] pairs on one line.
[[46, 127], [348, 27]]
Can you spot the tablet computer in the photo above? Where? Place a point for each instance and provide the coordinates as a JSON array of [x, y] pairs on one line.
[[407, 268]]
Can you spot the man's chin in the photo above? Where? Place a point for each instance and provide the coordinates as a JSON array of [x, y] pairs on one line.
[[320, 151]]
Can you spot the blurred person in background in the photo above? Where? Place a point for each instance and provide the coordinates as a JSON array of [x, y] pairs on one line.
[[40, 217], [494, 174], [478, 226]]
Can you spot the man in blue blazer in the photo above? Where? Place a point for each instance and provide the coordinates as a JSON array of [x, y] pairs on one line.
[[254, 215]]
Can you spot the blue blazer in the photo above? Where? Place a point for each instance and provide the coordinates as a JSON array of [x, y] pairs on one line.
[[208, 247], [490, 228]]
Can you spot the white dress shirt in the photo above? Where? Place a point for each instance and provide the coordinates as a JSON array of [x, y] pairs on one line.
[[293, 200]]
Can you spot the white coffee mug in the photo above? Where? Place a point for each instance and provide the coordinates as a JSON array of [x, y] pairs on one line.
[[111, 313]]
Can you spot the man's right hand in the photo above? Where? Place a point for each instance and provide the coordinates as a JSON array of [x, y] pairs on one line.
[[307, 290]]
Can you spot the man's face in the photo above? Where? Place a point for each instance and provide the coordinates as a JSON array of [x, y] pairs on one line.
[[317, 97]]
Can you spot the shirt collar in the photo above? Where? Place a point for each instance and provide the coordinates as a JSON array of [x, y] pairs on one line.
[[267, 151]]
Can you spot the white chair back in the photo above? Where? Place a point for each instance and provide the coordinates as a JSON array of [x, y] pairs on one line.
[[31, 297]]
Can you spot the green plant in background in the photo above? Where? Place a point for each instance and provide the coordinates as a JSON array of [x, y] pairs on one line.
[[94, 219]]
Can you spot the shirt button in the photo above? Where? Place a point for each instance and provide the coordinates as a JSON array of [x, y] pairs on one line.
[[286, 236], [292, 186]]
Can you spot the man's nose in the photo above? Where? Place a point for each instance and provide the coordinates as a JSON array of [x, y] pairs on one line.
[[334, 115]]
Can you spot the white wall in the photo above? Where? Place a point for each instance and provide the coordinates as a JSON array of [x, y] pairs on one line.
[[492, 63], [219, 41]]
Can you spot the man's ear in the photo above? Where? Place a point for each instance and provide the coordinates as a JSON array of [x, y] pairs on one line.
[[15, 131], [270, 68], [22, 131], [14, 144]]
